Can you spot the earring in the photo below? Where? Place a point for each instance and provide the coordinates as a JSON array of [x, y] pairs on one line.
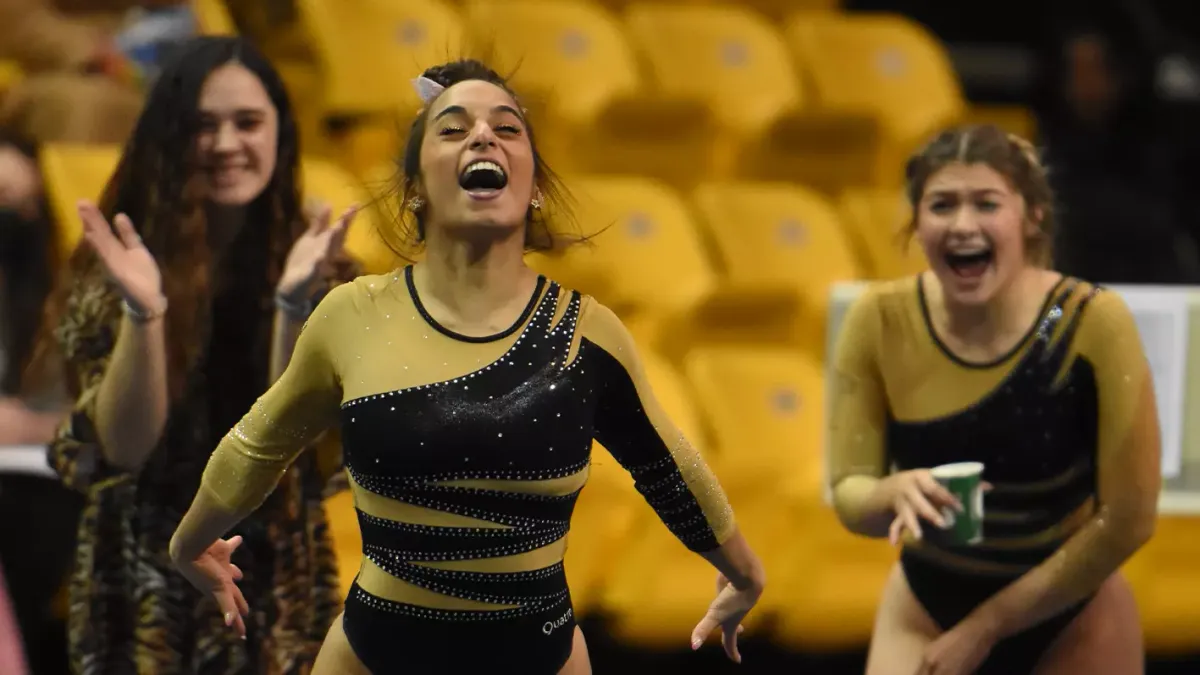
[[416, 204], [536, 203]]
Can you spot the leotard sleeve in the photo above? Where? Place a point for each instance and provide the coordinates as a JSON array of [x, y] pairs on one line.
[[858, 403], [302, 403], [667, 470]]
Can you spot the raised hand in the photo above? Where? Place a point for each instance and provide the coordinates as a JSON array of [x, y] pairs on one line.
[[125, 258], [315, 252], [726, 612], [213, 572]]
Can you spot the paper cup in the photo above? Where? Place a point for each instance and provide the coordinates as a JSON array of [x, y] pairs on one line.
[[964, 480]]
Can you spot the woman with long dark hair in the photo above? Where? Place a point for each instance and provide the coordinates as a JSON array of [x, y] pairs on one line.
[[196, 272]]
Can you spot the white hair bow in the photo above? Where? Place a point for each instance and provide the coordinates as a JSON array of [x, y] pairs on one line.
[[427, 89]]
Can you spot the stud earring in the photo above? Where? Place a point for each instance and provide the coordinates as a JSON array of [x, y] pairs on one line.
[[536, 202], [416, 204]]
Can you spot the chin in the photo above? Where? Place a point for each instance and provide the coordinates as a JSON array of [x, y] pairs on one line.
[[967, 292], [234, 195]]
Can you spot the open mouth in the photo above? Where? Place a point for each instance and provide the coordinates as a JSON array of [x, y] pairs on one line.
[[970, 264], [483, 177]]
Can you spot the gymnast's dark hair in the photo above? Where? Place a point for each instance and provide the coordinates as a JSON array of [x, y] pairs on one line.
[[544, 229], [156, 184]]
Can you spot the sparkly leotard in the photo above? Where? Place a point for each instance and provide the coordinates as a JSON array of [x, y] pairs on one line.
[[1037, 418], [466, 455]]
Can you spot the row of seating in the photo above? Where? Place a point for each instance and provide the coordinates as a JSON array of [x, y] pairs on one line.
[[684, 92], [719, 262]]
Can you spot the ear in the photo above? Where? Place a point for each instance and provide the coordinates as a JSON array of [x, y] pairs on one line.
[[1033, 224]]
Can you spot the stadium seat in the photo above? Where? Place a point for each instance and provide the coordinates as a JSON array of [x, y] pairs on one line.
[[763, 409], [609, 508], [646, 260], [876, 219], [369, 53], [212, 17], [781, 247], [1164, 579], [581, 80], [325, 180], [884, 80], [71, 173], [727, 56]]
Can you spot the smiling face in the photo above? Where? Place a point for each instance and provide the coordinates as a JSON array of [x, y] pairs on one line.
[[477, 162], [973, 228], [238, 138]]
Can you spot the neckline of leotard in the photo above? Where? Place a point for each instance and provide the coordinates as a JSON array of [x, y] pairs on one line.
[[923, 301], [529, 307]]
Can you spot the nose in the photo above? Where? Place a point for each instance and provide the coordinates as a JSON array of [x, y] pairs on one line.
[[482, 136], [963, 222], [226, 138]]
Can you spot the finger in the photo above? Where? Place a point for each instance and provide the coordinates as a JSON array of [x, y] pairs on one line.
[[741, 629], [895, 530], [319, 214], [235, 572], [936, 492], [702, 630], [240, 600], [338, 238], [729, 639], [924, 509], [234, 542], [986, 486], [95, 228], [129, 236], [912, 522]]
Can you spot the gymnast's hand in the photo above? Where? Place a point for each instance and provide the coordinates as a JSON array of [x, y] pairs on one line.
[[128, 262], [214, 573], [916, 495], [726, 612]]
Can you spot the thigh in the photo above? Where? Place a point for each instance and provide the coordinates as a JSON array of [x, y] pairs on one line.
[[336, 657], [903, 629], [579, 663], [1105, 639]]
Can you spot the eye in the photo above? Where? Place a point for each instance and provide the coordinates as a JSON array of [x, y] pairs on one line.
[[940, 206], [987, 206], [449, 131], [509, 129]]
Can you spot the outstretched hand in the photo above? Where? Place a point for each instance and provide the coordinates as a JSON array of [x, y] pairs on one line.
[[315, 253], [726, 613], [213, 572], [126, 260]]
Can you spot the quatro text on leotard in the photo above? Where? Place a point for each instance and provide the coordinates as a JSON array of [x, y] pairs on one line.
[[550, 626]]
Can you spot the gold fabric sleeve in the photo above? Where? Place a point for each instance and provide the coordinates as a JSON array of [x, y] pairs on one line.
[[1129, 474], [857, 400], [667, 470], [304, 402]]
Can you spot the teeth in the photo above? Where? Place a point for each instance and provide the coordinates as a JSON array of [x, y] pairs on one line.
[[483, 165]]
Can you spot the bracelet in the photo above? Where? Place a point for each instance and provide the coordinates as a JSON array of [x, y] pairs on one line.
[[141, 315], [298, 311]]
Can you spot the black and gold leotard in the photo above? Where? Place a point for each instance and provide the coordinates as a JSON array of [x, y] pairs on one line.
[[466, 455], [1037, 418]]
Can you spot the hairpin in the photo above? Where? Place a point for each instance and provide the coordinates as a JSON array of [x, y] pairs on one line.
[[427, 89]]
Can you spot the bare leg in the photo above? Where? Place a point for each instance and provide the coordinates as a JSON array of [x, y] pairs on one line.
[[903, 629], [579, 663], [1105, 639], [336, 656]]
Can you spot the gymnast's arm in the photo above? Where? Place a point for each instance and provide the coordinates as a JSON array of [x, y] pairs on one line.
[[857, 452], [1128, 459], [669, 473], [253, 456]]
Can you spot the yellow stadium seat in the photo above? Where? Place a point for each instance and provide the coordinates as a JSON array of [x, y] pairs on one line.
[[782, 247], [325, 180], [212, 17], [10, 74], [609, 507], [576, 72], [368, 53], [889, 82], [876, 219], [726, 56], [647, 257], [74, 172], [763, 410], [1165, 581]]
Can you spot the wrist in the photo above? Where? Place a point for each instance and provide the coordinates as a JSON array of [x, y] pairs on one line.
[[147, 314], [293, 309]]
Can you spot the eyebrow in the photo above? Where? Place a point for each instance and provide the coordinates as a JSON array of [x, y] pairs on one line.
[[239, 111], [459, 110], [950, 193]]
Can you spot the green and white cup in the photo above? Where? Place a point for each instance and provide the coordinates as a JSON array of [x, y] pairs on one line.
[[964, 480]]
